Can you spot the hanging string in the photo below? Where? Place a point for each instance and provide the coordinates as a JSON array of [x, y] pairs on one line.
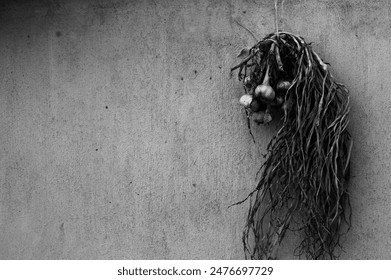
[[277, 16], [276, 10], [282, 15]]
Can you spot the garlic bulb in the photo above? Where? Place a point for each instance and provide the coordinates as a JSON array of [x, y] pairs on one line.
[[247, 81], [283, 85], [246, 100], [258, 117], [255, 106], [265, 91]]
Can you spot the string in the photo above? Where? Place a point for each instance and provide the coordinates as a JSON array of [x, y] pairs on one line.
[[276, 10], [277, 17], [282, 15]]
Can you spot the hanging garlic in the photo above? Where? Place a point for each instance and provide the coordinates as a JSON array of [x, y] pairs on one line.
[[283, 85], [264, 90], [259, 117], [246, 100], [247, 81], [255, 105]]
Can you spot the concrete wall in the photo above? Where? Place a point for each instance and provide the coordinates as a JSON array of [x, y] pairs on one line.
[[122, 137]]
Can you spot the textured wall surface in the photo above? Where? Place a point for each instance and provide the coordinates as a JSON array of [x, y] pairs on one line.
[[122, 137]]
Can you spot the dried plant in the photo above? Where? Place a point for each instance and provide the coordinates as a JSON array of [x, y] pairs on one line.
[[303, 181]]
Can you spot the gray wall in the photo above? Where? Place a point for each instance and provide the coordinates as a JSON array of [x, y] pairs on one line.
[[122, 137]]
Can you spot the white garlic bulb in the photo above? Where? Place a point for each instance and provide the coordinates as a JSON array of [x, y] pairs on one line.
[[246, 100]]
